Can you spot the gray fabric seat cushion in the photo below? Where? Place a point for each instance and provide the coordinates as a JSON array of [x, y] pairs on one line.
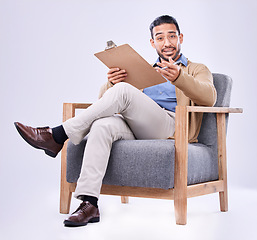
[[147, 163]]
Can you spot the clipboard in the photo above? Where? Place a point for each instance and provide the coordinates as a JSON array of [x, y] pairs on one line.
[[140, 73]]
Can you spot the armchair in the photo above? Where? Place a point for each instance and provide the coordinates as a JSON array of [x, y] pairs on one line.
[[173, 169]]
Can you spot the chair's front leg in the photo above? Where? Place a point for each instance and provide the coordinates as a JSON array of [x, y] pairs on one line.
[[180, 171], [65, 192], [222, 160]]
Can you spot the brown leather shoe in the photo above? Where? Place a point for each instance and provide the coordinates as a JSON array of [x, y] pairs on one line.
[[86, 213], [40, 138]]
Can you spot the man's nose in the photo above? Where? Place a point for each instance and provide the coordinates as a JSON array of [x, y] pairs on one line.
[[167, 41]]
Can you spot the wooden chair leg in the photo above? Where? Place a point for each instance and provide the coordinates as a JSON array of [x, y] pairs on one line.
[[223, 201], [65, 191], [124, 199], [222, 160], [180, 206], [65, 198], [180, 171]]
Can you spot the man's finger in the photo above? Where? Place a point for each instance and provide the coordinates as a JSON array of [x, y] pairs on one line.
[[112, 70], [119, 80], [171, 60], [116, 73], [118, 77], [161, 65]]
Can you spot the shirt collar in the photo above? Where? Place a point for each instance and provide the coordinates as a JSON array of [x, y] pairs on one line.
[[182, 59]]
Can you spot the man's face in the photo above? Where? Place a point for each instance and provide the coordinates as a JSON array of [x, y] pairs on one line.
[[166, 41]]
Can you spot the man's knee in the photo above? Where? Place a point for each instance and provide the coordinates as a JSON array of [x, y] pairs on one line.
[[124, 88], [121, 85]]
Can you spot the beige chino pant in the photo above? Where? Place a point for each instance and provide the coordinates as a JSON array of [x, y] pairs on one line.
[[123, 112]]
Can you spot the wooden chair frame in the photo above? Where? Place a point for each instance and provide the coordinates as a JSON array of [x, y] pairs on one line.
[[181, 191]]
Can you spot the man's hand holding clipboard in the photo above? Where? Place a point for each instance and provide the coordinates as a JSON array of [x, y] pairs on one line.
[[116, 75]]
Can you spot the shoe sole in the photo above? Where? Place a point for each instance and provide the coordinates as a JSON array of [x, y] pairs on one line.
[[47, 152], [68, 223]]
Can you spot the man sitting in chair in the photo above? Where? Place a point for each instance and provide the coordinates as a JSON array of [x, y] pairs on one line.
[[147, 114]]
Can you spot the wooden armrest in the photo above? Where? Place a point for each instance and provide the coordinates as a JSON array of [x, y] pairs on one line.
[[214, 109], [80, 105], [69, 109]]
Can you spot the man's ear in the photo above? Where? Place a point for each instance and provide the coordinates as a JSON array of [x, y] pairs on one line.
[[181, 36], [152, 43]]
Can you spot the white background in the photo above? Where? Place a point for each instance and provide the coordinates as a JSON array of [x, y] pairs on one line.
[[46, 58]]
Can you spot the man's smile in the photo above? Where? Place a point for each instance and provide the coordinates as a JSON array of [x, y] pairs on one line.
[[168, 50]]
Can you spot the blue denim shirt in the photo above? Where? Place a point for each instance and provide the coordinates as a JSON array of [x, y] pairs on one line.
[[164, 94]]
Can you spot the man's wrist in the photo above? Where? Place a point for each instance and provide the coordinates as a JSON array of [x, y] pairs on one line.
[[177, 76]]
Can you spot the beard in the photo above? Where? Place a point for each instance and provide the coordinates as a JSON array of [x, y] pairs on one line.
[[167, 59]]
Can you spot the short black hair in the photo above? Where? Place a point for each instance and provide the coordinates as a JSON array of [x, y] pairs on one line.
[[162, 20]]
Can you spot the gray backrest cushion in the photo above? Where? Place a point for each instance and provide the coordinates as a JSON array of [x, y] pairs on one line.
[[208, 132]]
